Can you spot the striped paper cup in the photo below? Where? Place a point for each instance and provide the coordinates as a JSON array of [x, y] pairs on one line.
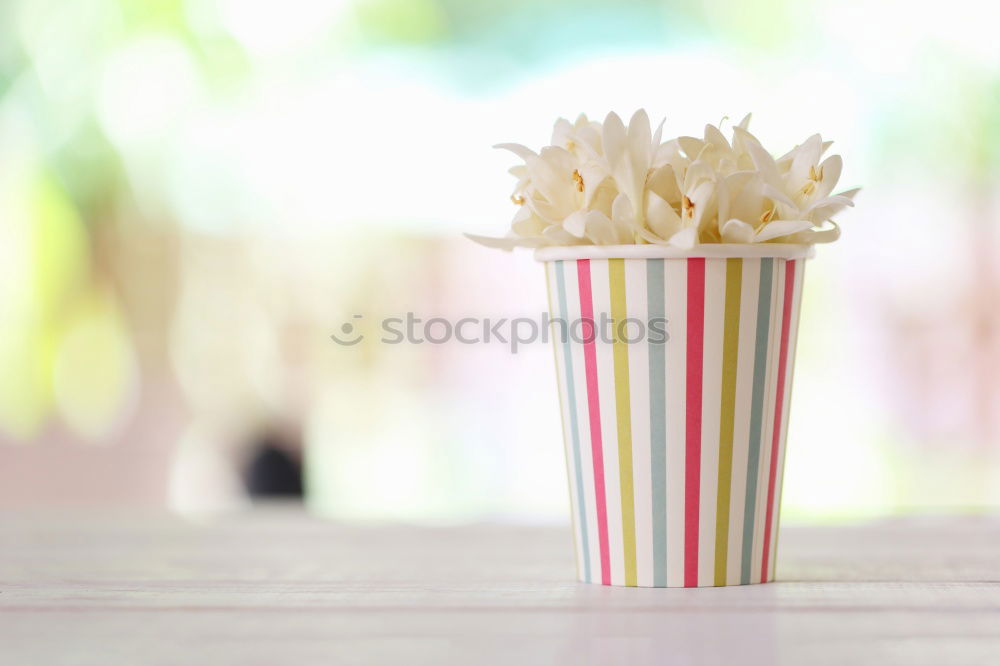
[[675, 414]]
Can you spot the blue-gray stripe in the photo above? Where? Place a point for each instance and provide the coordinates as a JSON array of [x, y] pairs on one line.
[[657, 421], [574, 428], [756, 411]]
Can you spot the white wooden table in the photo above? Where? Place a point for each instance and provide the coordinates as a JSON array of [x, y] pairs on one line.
[[277, 587]]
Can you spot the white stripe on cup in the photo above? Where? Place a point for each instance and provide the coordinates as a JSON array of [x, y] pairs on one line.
[[638, 371], [675, 310], [567, 408], [715, 307], [582, 418]]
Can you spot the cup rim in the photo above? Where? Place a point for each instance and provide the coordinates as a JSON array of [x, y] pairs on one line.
[[704, 251]]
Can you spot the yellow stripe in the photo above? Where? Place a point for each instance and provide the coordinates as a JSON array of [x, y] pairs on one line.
[[730, 352], [616, 273]]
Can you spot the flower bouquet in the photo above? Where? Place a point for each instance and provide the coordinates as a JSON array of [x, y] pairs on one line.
[[675, 413]]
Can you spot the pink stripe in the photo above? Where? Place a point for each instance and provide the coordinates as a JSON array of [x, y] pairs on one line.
[[692, 472], [786, 317], [594, 407]]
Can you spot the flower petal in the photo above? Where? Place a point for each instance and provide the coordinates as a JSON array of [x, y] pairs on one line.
[[663, 182], [559, 158], [703, 198], [685, 238], [715, 137], [661, 216], [779, 228], [507, 243], [614, 139], [523, 213], [552, 183], [639, 141], [562, 133], [824, 209], [558, 236], [668, 152], [690, 145], [777, 196], [739, 145], [805, 157], [729, 188], [761, 158], [827, 235], [593, 181], [748, 204], [830, 168], [590, 140], [600, 229], [658, 134], [576, 224], [736, 231], [622, 213], [696, 174], [542, 209], [650, 237], [603, 197], [521, 151]]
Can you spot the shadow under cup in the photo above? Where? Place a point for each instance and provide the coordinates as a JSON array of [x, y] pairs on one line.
[[674, 370]]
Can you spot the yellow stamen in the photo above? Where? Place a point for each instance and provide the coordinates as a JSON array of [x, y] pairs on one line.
[[517, 199], [767, 216], [814, 177], [578, 179], [688, 206]]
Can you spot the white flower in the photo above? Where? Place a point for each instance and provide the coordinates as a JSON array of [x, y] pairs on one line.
[[798, 185], [605, 184]]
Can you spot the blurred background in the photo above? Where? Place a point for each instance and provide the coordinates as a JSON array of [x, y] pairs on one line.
[[195, 194]]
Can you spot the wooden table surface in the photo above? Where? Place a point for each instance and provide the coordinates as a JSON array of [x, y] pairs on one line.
[[275, 586]]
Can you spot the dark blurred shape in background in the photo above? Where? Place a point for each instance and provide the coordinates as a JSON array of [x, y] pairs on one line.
[[274, 470]]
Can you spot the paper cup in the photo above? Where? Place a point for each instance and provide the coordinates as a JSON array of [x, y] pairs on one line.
[[675, 448]]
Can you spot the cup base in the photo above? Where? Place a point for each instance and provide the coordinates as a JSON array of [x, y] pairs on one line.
[[672, 587]]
